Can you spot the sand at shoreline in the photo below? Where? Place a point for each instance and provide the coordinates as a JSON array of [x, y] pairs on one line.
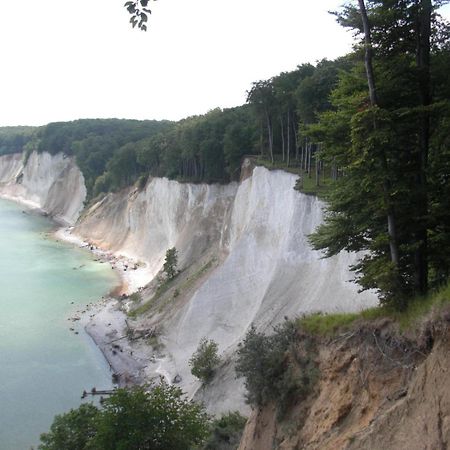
[[134, 274], [106, 323]]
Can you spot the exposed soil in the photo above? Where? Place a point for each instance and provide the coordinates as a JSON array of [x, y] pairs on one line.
[[377, 390]]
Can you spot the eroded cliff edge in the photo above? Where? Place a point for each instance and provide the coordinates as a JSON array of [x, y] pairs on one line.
[[377, 389]]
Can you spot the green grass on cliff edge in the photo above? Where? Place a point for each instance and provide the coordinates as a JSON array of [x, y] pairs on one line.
[[330, 324]]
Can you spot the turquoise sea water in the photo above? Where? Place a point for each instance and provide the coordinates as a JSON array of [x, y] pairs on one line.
[[44, 366]]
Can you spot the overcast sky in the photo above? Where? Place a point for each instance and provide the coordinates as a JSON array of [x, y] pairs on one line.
[[70, 59]]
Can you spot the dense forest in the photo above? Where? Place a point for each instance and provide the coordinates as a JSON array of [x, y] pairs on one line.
[[114, 153], [376, 122]]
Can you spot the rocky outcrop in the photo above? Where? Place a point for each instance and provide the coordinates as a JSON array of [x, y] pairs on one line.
[[374, 392], [52, 183]]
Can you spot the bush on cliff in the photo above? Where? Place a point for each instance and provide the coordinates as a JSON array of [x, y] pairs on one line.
[[205, 360], [226, 432], [170, 263], [276, 367]]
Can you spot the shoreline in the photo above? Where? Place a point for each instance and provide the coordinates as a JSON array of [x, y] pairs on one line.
[[105, 322], [133, 274]]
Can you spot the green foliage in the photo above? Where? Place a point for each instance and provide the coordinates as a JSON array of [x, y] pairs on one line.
[[420, 307], [104, 148], [17, 139], [73, 430], [274, 366], [205, 360], [415, 312], [170, 263], [159, 418], [135, 297], [390, 154], [319, 324], [226, 432]]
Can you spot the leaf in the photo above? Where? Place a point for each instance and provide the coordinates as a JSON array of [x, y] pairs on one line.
[[144, 27], [127, 4], [144, 3]]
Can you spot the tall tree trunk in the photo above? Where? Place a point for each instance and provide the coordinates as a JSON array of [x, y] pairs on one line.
[[270, 135], [261, 139], [288, 156], [303, 157], [297, 150], [309, 151], [423, 33], [391, 223], [282, 136], [368, 54]]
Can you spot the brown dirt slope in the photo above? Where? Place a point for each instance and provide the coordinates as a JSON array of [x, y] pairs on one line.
[[377, 390]]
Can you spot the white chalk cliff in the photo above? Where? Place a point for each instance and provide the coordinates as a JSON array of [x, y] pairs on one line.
[[51, 183], [255, 231]]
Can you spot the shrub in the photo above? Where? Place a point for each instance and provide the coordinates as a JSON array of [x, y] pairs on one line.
[[204, 360], [142, 182], [135, 297], [72, 430], [274, 367], [170, 263], [226, 432]]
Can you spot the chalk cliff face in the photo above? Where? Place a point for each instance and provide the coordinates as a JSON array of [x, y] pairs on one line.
[[52, 183], [264, 269]]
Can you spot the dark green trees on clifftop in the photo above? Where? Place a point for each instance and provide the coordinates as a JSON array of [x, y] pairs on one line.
[[387, 132]]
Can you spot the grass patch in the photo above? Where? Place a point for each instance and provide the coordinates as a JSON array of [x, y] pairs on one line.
[[135, 297], [321, 324], [308, 184], [278, 165], [420, 307], [166, 285], [192, 279]]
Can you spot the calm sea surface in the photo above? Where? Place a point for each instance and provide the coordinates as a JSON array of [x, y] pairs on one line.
[[44, 366]]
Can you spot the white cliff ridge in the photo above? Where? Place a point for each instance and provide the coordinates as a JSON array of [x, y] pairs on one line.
[[51, 183]]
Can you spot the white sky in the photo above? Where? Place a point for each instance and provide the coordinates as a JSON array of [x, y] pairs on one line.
[[69, 59]]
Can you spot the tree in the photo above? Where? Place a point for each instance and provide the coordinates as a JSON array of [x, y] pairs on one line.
[[205, 360], [158, 418], [170, 263], [73, 430], [226, 432], [381, 138], [261, 96]]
